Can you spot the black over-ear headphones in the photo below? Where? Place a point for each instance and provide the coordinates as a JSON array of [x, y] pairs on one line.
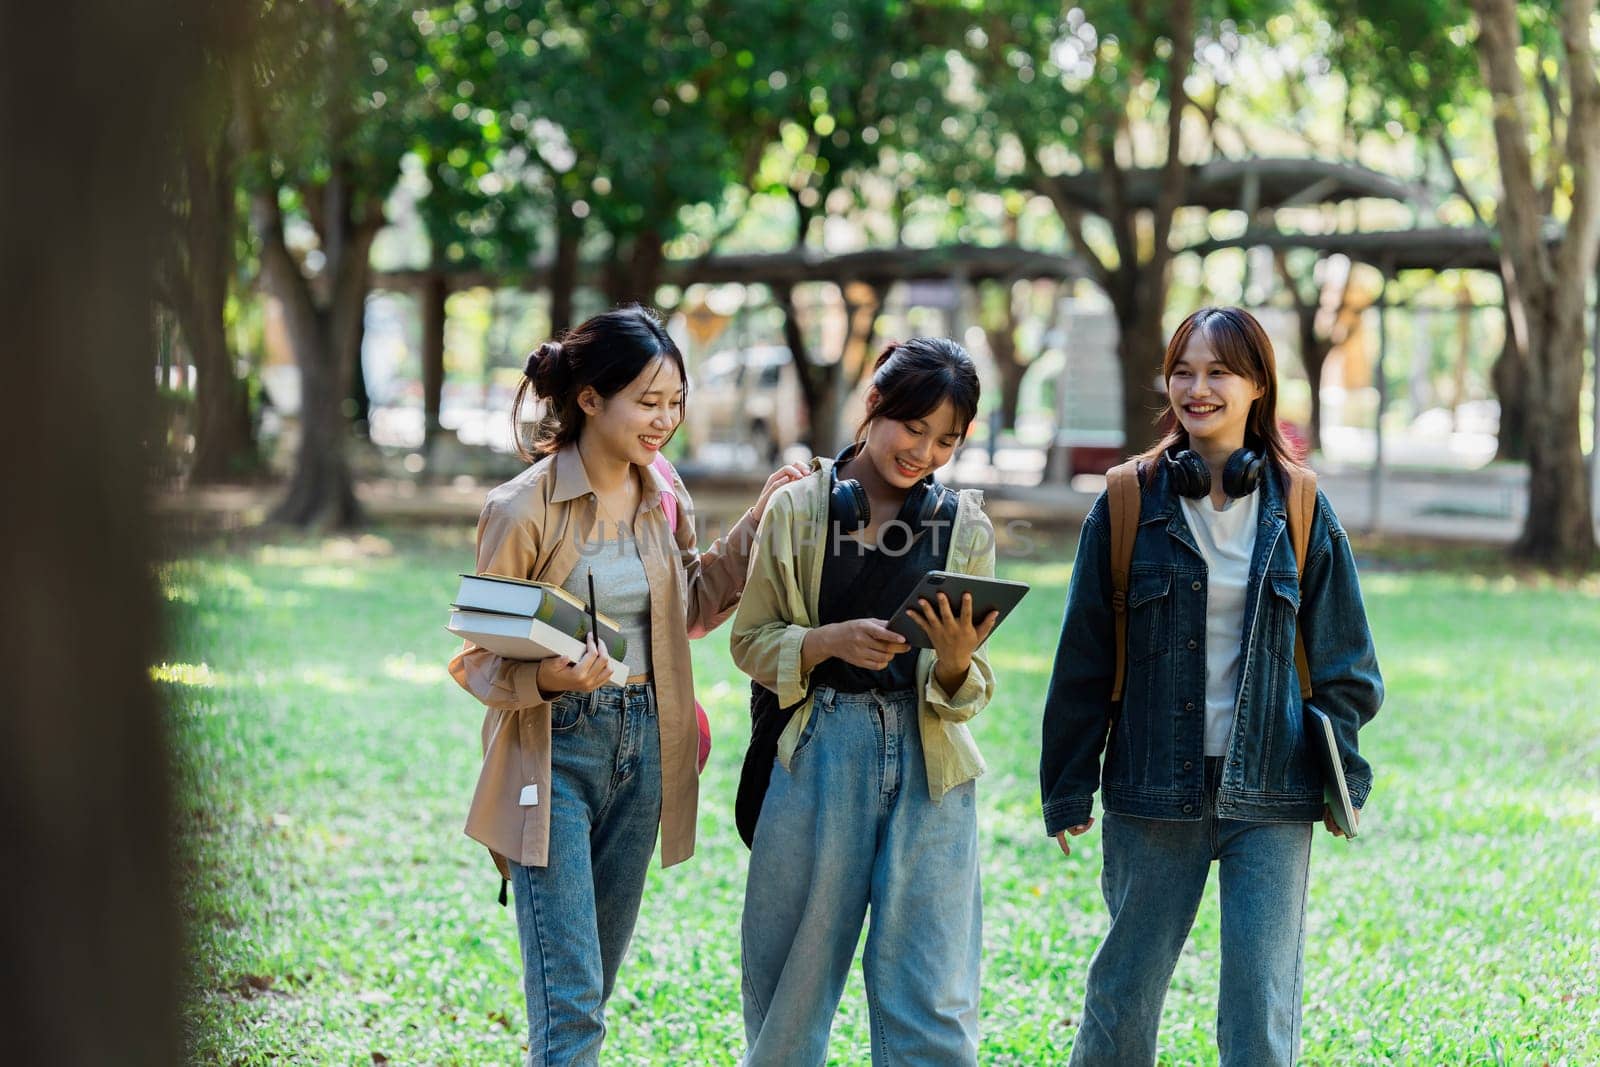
[[849, 510], [1191, 477]]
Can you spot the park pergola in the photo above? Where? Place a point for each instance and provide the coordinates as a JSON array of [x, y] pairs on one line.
[[973, 263], [1248, 184], [1437, 248], [878, 269]]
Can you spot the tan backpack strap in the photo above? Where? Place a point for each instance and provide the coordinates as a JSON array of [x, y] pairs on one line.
[[1302, 507], [1122, 494]]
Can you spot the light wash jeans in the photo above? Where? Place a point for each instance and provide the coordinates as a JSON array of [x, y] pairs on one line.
[[848, 826], [1155, 871], [575, 916]]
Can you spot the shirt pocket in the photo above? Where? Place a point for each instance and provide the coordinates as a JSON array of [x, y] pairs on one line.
[[1282, 605], [1150, 614]]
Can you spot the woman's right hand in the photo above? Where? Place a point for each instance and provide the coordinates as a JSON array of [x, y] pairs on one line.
[[1061, 835], [865, 643], [557, 674]]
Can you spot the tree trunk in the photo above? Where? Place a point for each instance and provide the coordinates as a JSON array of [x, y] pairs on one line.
[[819, 382], [1000, 330], [225, 447], [1560, 525], [862, 302], [634, 273], [1546, 286], [197, 289], [1313, 357], [91, 932], [326, 336], [1141, 343], [431, 297], [1011, 375], [564, 272], [359, 407], [1509, 376], [321, 490]]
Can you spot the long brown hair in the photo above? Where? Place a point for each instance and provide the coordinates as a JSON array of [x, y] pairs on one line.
[[1241, 345]]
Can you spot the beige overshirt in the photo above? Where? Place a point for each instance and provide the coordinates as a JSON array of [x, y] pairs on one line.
[[530, 528]]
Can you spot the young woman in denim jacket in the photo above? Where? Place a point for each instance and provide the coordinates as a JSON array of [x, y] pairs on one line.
[[871, 800], [579, 775], [1206, 758]]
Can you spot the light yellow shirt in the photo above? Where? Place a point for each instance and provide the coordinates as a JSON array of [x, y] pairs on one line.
[[779, 608]]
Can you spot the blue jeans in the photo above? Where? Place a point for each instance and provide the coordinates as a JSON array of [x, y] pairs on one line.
[[575, 916], [1155, 871], [848, 826]]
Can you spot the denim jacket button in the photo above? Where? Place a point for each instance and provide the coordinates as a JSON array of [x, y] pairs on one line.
[[1187, 808], [1188, 764], [1195, 585], [1189, 706], [1193, 644]]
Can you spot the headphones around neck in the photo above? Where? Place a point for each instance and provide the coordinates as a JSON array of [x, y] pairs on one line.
[[1191, 476], [849, 510]]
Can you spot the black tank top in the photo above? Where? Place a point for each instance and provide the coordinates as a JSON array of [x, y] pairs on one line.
[[861, 581]]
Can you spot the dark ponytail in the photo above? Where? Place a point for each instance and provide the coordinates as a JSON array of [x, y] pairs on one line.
[[605, 354], [914, 377]]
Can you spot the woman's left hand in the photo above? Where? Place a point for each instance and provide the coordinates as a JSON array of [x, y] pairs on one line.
[[955, 638], [785, 474], [1333, 827]]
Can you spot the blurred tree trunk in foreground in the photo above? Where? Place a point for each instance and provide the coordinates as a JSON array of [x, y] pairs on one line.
[[90, 934]]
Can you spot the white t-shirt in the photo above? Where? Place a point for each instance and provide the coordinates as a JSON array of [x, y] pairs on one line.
[[1227, 540]]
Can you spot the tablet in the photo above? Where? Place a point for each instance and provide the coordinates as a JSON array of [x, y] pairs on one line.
[[1335, 791], [988, 594]]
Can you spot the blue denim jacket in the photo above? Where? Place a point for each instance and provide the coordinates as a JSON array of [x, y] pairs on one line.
[[1154, 764]]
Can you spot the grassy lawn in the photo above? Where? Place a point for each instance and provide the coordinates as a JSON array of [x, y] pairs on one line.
[[338, 915]]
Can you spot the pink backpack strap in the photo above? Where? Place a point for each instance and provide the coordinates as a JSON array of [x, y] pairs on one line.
[[669, 504], [669, 499]]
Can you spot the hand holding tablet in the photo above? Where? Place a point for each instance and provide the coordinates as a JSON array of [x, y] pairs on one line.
[[988, 595]]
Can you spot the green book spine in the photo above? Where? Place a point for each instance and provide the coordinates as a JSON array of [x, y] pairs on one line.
[[571, 617]]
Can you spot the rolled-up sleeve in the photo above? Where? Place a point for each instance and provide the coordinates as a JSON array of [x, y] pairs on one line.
[[1078, 703], [1345, 680], [977, 688], [715, 577], [766, 641], [505, 548]]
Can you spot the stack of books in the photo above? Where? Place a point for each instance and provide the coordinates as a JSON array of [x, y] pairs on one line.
[[531, 620]]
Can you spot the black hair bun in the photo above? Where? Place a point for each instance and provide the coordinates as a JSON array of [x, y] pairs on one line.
[[544, 367]]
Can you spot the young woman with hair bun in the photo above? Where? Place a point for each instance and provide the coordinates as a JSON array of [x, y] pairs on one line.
[[1206, 757], [580, 776], [871, 803]]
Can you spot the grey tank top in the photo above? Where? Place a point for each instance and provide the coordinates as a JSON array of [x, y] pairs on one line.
[[621, 590]]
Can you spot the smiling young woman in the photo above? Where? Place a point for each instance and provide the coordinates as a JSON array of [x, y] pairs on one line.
[[580, 775], [871, 802], [1205, 759]]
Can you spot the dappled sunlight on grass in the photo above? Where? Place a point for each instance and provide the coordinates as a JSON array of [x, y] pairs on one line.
[[408, 668], [183, 582], [1021, 661], [327, 550], [337, 909], [196, 675], [330, 679], [344, 578]]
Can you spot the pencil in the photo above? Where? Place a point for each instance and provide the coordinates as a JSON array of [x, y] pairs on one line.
[[594, 620]]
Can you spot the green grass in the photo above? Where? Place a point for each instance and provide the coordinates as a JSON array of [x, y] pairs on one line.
[[337, 914]]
